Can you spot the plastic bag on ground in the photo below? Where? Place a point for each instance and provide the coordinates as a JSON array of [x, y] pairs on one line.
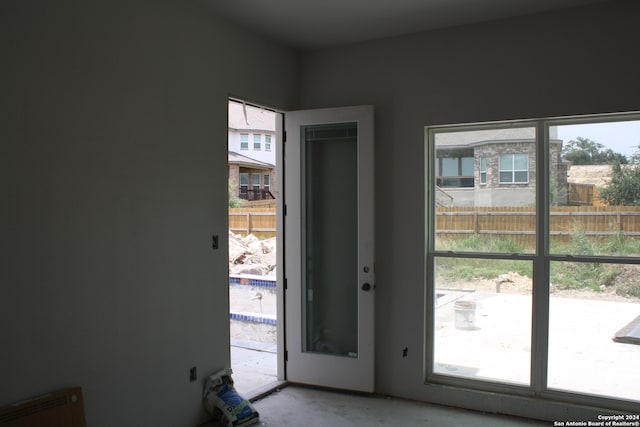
[[223, 403]]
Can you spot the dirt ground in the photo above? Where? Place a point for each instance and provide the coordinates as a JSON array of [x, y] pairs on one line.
[[256, 332], [514, 283]]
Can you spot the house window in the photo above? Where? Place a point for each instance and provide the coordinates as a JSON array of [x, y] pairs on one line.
[[510, 276], [267, 143], [456, 167], [483, 170], [244, 141], [514, 168], [255, 178], [257, 142], [266, 178], [244, 185]]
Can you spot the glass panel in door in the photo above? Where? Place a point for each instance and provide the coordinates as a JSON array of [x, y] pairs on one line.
[[330, 255]]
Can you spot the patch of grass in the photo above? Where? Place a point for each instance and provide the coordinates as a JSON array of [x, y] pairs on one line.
[[580, 243], [564, 275], [507, 246], [454, 269], [628, 289], [480, 243], [619, 244], [578, 275]]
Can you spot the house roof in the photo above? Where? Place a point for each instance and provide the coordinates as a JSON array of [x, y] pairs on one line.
[[598, 175], [239, 159], [488, 136], [247, 117]]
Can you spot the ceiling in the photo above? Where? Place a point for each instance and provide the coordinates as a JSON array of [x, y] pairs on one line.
[[308, 24]]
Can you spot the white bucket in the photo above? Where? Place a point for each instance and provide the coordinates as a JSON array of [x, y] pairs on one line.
[[465, 314]]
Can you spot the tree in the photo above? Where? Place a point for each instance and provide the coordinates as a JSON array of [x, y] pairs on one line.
[[234, 201], [583, 151], [635, 157], [624, 188]]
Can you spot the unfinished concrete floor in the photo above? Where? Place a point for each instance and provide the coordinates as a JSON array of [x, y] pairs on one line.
[[308, 407]]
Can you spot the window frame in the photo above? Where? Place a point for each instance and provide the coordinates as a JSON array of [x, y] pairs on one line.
[[257, 142], [541, 259], [267, 143]]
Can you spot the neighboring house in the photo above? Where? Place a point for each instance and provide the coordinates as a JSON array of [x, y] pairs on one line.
[[495, 167], [252, 152], [251, 179]]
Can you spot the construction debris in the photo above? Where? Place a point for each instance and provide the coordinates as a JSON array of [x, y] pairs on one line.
[[250, 255]]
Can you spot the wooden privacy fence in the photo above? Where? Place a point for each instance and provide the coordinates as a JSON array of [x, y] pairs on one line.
[[583, 195], [516, 223], [519, 224], [257, 220]]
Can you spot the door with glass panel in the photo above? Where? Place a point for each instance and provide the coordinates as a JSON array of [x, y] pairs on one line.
[[329, 248]]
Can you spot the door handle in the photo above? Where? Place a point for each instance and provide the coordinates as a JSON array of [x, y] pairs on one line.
[[366, 287]]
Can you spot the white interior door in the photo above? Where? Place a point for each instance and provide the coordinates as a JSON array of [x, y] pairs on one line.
[[329, 247]]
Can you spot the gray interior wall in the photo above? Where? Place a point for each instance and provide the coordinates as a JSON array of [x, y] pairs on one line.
[[113, 148], [561, 63]]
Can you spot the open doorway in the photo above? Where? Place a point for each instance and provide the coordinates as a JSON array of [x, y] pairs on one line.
[[253, 217]]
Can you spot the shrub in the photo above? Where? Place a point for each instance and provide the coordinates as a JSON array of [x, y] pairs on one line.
[[234, 202], [624, 188]]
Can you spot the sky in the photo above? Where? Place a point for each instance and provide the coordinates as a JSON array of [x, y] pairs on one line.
[[621, 137]]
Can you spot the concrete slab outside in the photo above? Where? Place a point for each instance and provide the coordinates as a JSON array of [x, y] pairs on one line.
[[582, 355], [254, 365]]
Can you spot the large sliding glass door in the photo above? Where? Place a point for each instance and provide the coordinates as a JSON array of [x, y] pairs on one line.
[[533, 265]]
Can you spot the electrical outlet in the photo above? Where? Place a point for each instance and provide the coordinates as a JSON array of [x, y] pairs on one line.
[[193, 374]]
